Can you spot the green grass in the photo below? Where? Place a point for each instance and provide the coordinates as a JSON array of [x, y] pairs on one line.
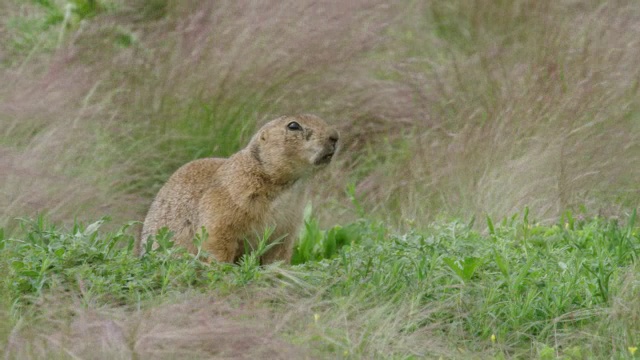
[[34, 27], [535, 289]]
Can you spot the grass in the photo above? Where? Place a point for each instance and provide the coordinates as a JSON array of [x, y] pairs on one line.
[[40, 26], [447, 111], [509, 92], [137, 111], [473, 98], [561, 289]]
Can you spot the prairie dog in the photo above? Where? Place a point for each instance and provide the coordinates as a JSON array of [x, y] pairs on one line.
[[263, 185]]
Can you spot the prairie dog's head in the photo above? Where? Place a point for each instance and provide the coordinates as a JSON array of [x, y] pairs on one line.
[[294, 145]]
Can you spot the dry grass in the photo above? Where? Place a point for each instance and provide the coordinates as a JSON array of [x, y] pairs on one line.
[[199, 327], [536, 107], [100, 130], [462, 108], [261, 321], [348, 326]]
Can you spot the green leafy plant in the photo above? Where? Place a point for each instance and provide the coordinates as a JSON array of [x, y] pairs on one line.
[[463, 268], [315, 244]]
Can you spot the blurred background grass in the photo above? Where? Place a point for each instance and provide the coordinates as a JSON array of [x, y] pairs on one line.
[[447, 108]]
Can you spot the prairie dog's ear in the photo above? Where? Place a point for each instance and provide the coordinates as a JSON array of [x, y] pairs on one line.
[[263, 136]]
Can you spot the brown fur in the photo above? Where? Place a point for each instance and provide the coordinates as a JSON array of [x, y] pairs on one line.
[[235, 199]]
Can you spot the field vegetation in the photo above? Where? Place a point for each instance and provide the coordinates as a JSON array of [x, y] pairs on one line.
[[482, 205]]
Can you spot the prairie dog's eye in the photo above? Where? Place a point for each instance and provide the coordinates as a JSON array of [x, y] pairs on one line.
[[294, 126]]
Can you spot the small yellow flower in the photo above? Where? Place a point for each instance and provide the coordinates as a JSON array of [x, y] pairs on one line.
[[632, 349], [493, 338], [345, 353], [316, 316]]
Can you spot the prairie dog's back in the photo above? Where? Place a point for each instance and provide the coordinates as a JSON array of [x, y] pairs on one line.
[[175, 204]]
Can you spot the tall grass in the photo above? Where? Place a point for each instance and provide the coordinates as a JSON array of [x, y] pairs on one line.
[[521, 103], [192, 80], [463, 108]]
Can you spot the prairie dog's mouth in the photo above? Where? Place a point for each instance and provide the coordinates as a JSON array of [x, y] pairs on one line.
[[324, 158]]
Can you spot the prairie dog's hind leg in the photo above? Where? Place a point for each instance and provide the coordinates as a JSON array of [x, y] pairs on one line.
[[223, 249]]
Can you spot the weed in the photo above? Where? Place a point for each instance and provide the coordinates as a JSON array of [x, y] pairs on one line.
[[315, 244]]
